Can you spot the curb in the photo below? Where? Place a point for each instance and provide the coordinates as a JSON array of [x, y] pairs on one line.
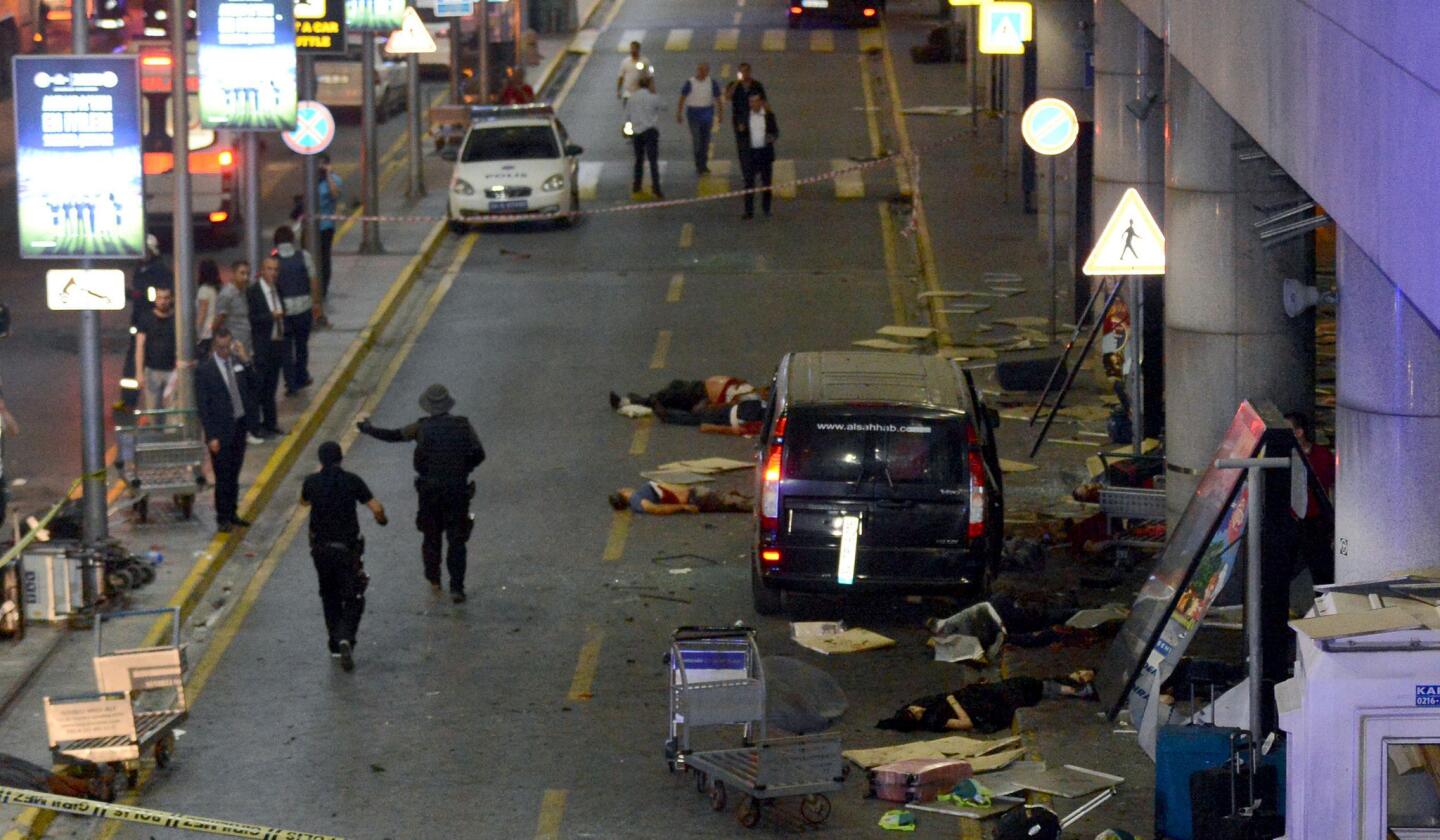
[[32, 822]]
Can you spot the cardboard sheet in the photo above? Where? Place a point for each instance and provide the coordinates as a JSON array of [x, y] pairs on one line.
[[996, 807], [676, 477], [1092, 618], [1342, 625], [1085, 412], [706, 466], [1009, 466], [829, 637], [965, 308], [1070, 781], [951, 746], [884, 344], [1025, 321], [975, 352], [901, 331]]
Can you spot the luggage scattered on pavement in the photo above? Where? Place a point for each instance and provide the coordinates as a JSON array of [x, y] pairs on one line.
[[801, 698]]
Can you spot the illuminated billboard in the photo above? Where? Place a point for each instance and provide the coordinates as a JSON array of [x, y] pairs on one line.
[[77, 157], [374, 15], [320, 26], [246, 64]]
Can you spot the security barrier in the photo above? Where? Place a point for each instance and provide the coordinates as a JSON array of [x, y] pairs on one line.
[[146, 816]]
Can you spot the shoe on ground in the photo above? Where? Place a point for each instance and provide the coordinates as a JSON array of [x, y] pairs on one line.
[[240, 523], [614, 401], [254, 440], [347, 657], [457, 595], [273, 431], [224, 528], [307, 383]]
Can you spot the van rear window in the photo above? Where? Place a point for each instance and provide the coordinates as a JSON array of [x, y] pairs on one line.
[[850, 448]]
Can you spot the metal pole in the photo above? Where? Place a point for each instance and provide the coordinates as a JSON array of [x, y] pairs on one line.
[[973, 37], [484, 65], [311, 198], [1054, 283], [95, 528], [250, 169], [1136, 303], [1254, 515], [182, 227], [519, 29], [369, 164], [415, 187], [456, 58]]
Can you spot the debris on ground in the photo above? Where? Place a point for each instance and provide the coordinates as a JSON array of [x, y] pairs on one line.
[[829, 637], [986, 706], [634, 411], [897, 820], [884, 344], [706, 466], [982, 755], [801, 698], [677, 477], [1009, 466]]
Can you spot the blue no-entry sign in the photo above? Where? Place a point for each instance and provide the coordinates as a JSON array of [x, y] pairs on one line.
[[314, 129], [1050, 126]]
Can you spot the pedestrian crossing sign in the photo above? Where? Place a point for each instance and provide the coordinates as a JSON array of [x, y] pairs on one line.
[[411, 37], [1130, 244], [1005, 27]]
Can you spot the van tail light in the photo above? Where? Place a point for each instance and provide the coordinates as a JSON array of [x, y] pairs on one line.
[[795, 10], [869, 13], [770, 493], [226, 158], [977, 486], [770, 557]]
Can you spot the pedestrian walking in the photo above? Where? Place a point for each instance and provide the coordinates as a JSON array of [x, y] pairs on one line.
[[643, 112], [299, 287], [155, 348], [207, 290], [336, 547], [222, 388], [152, 275], [757, 152], [698, 98], [738, 92], [331, 187], [633, 68], [232, 310], [447, 450], [267, 328]]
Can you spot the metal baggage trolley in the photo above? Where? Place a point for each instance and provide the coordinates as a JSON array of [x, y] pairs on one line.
[[138, 702], [163, 452], [716, 679]]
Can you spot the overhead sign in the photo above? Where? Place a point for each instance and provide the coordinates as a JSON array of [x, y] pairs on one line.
[[411, 37], [1004, 27], [246, 64], [78, 172], [967, 2], [314, 129], [1050, 126], [1131, 242], [374, 15], [68, 289], [320, 26], [454, 8]]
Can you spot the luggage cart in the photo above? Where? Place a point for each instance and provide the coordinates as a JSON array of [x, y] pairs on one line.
[[138, 702], [163, 452], [716, 679], [807, 766]]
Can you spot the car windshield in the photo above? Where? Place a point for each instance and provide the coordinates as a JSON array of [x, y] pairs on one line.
[[515, 142], [889, 449]]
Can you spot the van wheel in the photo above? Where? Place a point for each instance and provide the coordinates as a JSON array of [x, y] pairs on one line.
[[769, 600]]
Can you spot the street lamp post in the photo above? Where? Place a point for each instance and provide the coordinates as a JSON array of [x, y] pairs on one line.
[[95, 528]]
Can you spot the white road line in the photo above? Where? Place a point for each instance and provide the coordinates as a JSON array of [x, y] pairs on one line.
[[784, 178], [584, 41], [849, 185]]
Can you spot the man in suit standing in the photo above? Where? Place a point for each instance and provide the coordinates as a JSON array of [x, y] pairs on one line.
[[267, 330], [755, 136], [222, 386]]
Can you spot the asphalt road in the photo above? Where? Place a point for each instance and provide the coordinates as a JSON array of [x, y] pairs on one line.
[[539, 707], [39, 361]]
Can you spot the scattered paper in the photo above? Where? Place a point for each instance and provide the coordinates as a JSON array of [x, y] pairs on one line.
[[958, 647], [884, 344], [965, 308], [899, 331], [1024, 321], [1069, 782], [1357, 624], [684, 571], [975, 352], [1090, 619], [634, 411], [997, 806], [1085, 412], [676, 477], [951, 746], [999, 782], [937, 110], [705, 466], [829, 637], [1009, 466], [995, 761]]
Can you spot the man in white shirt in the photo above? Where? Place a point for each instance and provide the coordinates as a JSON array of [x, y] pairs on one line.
[[643, 112], [633, 68], [698, 98], [755, 135]]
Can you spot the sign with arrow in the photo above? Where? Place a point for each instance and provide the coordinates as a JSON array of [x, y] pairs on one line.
[[70, 289], [1131, 242], [411, 37], [314, 129], [1005, 27]]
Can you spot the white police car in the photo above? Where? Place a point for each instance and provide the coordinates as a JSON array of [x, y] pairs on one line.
[[513, 160]]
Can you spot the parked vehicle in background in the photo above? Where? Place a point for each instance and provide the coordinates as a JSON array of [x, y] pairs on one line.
[[338, 80], [513, 160], [831, 12], [437, 64]]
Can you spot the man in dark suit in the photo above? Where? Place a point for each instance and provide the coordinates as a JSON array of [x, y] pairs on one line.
[[755, 135], [267, 327], [222, 389]]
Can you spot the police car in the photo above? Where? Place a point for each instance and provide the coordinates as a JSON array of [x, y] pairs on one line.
[[513, 160]]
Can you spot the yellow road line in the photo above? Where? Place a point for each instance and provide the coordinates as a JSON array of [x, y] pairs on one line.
[[871, 39], [677, 286], [872, 119], [724, 74], [892, 262], [773, 40], [822, 40], [714, 183], [679, 40], [641, 438], [784, 177], [687, 235], [850, 184], [585, 668], [726, 39], [662, 348], [902, 169], [615, 541], [552, 813]]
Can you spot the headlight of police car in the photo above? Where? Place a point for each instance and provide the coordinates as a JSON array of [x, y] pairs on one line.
[[553, 183], [462, 186]]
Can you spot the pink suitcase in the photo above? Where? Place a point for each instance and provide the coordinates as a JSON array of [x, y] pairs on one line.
[[916, 779]]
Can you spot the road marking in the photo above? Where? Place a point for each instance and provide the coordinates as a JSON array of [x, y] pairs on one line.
[[581, 683], [588, 179], [727, 39], [584, 41], [784, 178], [725, 70], [718, 179], [630, 35], [892, 263], [822, 40], [552, 813], [773, 40], [849, 184], [679, 40], [871, 39], [662, 347], [687, 235], [677, 285], [872, 118], [902, 170], [641, 438], [761, 264], [615, 542]]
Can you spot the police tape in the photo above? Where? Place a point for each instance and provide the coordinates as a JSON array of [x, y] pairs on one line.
[[146, 816]]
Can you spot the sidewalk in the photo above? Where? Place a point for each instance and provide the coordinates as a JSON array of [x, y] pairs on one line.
[[365, 292]]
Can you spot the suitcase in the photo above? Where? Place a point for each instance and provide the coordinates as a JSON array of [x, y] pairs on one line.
[[916, 779], [1181, 752], [1218, 794]]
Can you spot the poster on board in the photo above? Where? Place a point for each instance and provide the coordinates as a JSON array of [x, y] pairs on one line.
[[320, 26], [374, 15], [78, 171], [246, 64]]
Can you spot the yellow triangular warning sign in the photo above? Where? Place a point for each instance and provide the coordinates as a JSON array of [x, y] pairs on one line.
[[1131, 242], [411, 37]]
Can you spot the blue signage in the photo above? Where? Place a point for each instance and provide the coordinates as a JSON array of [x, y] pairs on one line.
[[78, 170], [246, 64], [1427, 695]]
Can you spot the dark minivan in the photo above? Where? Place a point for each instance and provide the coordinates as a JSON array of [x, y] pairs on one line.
[[879, 472]]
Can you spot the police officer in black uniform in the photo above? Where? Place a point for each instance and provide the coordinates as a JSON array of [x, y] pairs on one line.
[[446, 451], [336, 547]]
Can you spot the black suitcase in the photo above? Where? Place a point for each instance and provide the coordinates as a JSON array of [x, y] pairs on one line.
[[1218, 793]]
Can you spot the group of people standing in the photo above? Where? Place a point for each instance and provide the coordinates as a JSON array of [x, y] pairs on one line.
[[700, 105]]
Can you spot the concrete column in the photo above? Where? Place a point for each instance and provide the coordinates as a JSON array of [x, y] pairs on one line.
[[1129, 152], [1387, 426], [1062, 39], [1227, 337]]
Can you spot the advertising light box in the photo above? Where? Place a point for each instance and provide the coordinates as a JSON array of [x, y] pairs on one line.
[[374, 15], [320, 26], [77, 157], [246, 64]]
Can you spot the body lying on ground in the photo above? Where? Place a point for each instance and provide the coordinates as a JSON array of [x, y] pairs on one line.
[[985, 706], [660, 499]]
